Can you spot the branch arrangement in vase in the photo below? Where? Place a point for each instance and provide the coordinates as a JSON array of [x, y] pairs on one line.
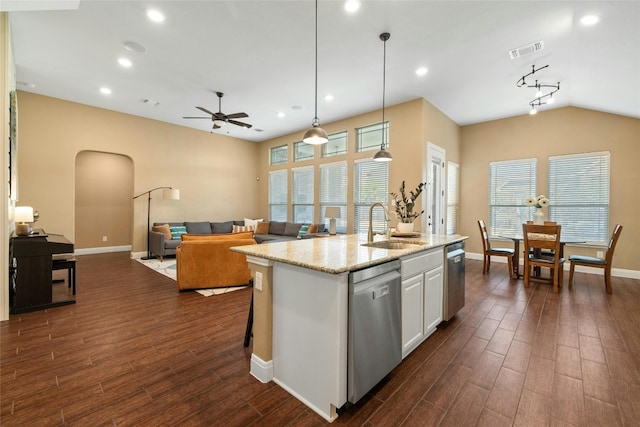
[[403, 204]]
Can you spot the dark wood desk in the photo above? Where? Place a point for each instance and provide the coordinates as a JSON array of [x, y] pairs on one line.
[[516, 249], [33, 268]]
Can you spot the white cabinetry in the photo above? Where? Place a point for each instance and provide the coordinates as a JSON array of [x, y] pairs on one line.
[[422, 287]]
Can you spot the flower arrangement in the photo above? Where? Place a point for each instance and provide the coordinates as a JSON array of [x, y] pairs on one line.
[[404, 205], [539, 202]]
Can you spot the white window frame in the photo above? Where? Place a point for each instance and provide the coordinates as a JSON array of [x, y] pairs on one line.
[[333, 137], [511, 182], [376, 128], [362, 201], [302, 194], [579, 188], [278, 198], [274, 154]]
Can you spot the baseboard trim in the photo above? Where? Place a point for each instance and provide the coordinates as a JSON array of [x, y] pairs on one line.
[[102, 250], [616, 272], [261, 370]]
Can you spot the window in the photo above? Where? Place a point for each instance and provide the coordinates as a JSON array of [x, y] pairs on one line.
[[278, 195], [333, 192], [303, 151], [302, 195], [579, 195], [279, 155], [336, 145], [370, 137], [453, 177], [371, 185], [510, 183]]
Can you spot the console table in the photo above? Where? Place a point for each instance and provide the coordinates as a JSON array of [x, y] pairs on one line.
[[33, 269]]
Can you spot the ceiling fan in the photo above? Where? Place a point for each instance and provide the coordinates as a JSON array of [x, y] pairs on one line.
[[220, 119]]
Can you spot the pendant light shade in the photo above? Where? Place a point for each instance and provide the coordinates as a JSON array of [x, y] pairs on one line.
[[383, 155], [316, 135]]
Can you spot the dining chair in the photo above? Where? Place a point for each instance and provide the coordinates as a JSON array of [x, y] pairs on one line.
[[488, 251], [598, 262], [538, 238]]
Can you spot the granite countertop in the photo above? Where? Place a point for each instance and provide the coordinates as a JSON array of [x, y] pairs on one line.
[[341, 253]]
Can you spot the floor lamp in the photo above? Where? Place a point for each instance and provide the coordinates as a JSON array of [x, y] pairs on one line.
[[167, 193]]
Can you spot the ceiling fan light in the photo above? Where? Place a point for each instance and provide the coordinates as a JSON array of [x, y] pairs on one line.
[[219, 123], [315, 135]]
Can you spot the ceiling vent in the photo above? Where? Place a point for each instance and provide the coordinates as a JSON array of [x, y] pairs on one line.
[[526, 49]]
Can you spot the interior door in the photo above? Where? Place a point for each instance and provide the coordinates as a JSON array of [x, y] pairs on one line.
[[435, 201]]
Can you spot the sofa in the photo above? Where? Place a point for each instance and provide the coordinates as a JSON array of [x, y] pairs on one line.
[[205, 261], [164, 238]]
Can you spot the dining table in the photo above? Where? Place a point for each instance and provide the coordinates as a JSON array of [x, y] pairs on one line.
[[518, 237]]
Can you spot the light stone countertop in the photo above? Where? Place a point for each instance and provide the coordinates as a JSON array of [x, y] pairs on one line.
[[341, 253]]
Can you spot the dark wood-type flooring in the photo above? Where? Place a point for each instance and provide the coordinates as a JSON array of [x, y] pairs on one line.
[[135, 351]]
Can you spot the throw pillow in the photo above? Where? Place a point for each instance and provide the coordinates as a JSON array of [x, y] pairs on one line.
[[252, 222], [242, 228], [198, 227], [177, 231], [262, 228], [303, 230], [291, 229], [164, 229], [313, 228]]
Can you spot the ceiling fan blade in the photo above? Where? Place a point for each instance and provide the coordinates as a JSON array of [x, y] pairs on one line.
[[237, 123], [237, 116], [205, 110], [208, 118]]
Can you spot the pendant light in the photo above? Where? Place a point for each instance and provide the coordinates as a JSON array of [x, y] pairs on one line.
[[316, 135], [383, 155]]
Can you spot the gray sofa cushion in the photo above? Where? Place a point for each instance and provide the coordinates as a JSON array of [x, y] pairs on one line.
[[222, 227], [276, 227], [198, 227], [291, 229]]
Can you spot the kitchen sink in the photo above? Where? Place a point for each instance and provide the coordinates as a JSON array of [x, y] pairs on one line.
[[387, 244]]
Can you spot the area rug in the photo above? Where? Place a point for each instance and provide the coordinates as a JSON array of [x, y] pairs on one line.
[[167, 268]]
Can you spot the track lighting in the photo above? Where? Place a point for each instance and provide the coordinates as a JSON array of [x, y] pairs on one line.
[[541, 98]]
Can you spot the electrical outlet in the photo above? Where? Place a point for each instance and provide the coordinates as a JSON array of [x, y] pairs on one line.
[[599, 254], [104, 238], [258, 281]]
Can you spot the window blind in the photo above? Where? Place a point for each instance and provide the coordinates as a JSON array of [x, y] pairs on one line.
[[278, 194], [579, 195], [371, 184], [302, 195], [510, 183], [333, 192], [453, 173]]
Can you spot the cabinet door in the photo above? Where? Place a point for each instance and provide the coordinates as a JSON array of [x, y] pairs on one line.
[[433, 283], [412, 313]]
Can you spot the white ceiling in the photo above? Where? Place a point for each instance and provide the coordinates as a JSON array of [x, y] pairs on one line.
[[261, 55]]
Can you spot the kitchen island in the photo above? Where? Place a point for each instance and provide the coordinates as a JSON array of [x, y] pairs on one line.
[[301, 308]]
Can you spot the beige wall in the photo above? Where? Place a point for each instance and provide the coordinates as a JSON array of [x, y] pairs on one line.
[[551, 133], [215, 173], [411, 125]]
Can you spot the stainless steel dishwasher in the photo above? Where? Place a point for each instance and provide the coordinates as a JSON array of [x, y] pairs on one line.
[[375, 327], [453, 296]]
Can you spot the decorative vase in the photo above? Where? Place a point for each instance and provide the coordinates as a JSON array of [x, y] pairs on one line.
[[538, 217], [405, 227]]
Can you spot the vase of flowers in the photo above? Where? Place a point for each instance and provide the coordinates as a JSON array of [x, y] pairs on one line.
[[539, 203], [404, 205]]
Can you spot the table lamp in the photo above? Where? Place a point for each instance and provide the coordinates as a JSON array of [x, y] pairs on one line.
[[332, 212], [22, 216]]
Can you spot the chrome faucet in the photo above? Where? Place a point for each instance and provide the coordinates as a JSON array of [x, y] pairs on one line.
[[386, 218]]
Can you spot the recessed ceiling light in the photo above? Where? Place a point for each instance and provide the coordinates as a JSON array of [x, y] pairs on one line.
[[589, 20], [133, 46], [352, 5], [328, 97], [296, 108], [422, 71], [125, 62], [105, 90], [155, 15], [280, 114]]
